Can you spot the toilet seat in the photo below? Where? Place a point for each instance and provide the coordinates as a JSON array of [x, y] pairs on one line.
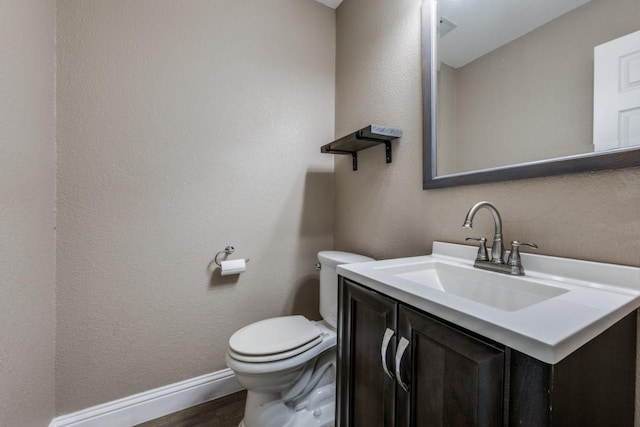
[[277, 356], [274, 339], [328, 342]]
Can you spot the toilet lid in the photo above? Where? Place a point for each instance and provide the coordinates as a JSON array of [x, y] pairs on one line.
[[274, 336]]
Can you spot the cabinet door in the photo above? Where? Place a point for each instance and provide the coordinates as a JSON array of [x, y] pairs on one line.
[[453, 378], [366, 394]]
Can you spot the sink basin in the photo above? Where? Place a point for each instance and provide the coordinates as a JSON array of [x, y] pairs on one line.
[[493, 289]]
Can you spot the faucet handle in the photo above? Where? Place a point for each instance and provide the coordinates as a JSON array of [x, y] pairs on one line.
[[514, 255], [482, 248]]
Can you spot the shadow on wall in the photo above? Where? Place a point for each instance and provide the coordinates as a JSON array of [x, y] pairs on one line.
[[316, 221], [318, 203], [306, 298]]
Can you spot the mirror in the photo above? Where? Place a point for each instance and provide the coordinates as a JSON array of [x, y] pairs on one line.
[[523, 88]]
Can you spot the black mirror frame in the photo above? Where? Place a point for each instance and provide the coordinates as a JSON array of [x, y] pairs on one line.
[[622, 158]]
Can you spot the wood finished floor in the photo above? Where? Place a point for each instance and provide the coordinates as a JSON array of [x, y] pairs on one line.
[[224, 412]]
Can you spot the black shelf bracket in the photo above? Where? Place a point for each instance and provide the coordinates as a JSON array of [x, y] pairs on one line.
[[362, 139]]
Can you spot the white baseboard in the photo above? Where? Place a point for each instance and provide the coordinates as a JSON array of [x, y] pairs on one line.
[[148, 405]]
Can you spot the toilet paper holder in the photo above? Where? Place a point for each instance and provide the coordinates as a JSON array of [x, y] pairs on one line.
[[228, 251]]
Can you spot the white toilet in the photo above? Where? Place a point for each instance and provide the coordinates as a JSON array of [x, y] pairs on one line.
[[287, 364]]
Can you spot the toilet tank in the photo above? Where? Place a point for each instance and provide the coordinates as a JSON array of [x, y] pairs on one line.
[[328, 261]]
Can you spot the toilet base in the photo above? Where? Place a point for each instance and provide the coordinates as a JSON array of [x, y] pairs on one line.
[[316, 409], [323, 416]]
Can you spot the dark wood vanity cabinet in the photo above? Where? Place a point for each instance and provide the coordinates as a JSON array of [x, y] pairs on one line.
[[369, 394], [451, 378], [454, 377]]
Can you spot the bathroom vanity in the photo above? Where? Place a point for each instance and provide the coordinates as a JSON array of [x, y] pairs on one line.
[[432, 341]]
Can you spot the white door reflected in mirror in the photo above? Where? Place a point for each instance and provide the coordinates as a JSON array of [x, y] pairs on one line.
[[616, 93]]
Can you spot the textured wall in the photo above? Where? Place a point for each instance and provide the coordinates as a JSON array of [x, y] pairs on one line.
[[382, 211], [183, 127], [27, 212]]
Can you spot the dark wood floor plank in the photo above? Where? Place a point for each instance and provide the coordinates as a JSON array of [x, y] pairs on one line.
[[224, 412]]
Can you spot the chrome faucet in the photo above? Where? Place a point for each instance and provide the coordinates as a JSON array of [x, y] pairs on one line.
[[497, 263], [497, 250]]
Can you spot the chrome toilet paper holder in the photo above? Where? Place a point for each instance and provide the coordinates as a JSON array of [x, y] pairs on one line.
[[228, 251]]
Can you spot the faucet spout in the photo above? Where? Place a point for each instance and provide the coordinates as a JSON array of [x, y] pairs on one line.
[[497, 250]]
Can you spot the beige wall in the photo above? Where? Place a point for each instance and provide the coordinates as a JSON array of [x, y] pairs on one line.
[[183, 127], [498, 97], [382, 211], [27, 212]]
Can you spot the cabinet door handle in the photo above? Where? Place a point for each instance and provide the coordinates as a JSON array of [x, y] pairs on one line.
[[388, 334], [402, 346]]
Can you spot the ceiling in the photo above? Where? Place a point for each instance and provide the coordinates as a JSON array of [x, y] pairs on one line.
[[331, 3], [476, 27]]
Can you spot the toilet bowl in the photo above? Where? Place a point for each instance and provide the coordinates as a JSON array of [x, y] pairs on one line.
[[287, 364]]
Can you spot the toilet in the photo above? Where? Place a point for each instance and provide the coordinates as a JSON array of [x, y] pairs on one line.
[[288, 364]]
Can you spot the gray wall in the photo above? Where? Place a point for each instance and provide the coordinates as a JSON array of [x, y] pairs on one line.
[[184, 127], [382, 211], [27, 212]]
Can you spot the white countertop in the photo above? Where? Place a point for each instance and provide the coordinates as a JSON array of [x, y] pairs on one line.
[[595, 296]]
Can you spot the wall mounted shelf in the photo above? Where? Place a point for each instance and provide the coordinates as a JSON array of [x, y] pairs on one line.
[[362, 139]]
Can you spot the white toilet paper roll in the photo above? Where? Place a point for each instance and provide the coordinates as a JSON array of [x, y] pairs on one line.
[[233, 266]]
